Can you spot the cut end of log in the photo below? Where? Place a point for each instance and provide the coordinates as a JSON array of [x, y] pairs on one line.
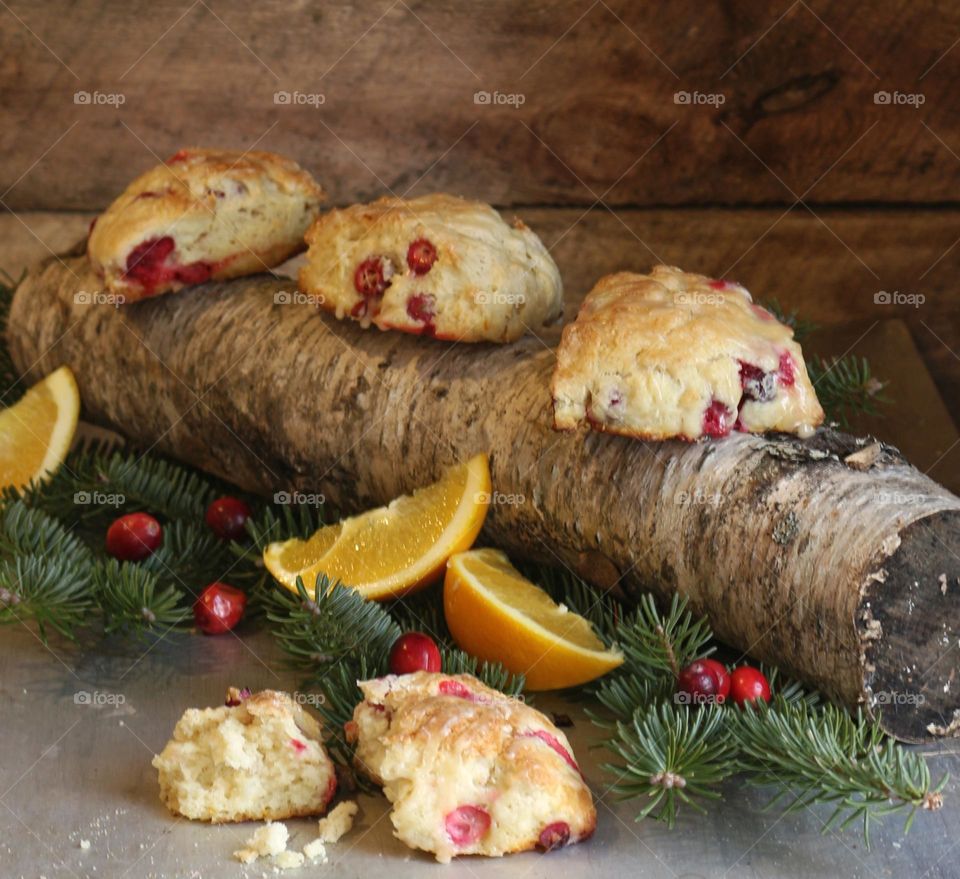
[[909, 625]]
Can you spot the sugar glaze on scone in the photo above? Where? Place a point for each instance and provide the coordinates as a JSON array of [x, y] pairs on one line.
[[259, 757], [469, 771], [436, 265], [204, 214], [674, 354]]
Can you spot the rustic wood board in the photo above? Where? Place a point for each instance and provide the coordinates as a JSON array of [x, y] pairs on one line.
[[398, 79]]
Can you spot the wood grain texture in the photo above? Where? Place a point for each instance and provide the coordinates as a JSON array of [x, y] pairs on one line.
[[398, 80]]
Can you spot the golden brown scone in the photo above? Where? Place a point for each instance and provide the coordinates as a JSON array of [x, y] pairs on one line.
[[259, 757], [673, 354], [437, 265], [203, 214], [469, 771]]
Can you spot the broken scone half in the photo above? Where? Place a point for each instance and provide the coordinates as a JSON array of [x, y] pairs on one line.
[[259, 757], [678, 355], [204, 214], [469, 771]]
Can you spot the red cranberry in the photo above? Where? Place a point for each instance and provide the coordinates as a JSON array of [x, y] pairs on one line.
[[787, 373], [554, 836], [698, 683], [412, 652], [467, 824], [227, 518], [145, 263], [219, 608], [455, 688], [421, 255], [298, 746], [757, 384], [552, 742], [194, 273], [720, 285], [761, 312], [133, 537], [422, 308], [747, 684], [723, 678], [369, 278], [178, 156], [717, 419]]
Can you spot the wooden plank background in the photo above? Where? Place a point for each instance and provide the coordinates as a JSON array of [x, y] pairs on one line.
[[799, 184], [398, 80]]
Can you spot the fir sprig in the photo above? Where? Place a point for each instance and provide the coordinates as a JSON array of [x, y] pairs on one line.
[[846, 386], [670, 755], [822, 754]]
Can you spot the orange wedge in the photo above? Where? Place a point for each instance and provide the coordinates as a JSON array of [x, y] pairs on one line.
[[494, 613], [396, 549], [36, 432]]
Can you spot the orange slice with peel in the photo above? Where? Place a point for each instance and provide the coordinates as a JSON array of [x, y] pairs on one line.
[[396, 549], [495, 614]]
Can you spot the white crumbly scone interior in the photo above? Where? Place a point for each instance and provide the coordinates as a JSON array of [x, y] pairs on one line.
[[467, 769], [260, 759], [674, 354], [484, 280], [203, 214]]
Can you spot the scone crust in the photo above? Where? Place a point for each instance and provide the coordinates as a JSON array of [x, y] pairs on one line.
[[212, 739], [648, 354], [229, 213], [490, 281], [439, 742]]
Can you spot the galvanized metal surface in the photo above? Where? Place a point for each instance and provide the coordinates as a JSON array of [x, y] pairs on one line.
[[80, 726]]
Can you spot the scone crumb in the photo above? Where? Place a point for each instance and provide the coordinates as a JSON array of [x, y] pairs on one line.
[[288, 860], [270, 839], [85, 844], [338, 823], [316, 850]]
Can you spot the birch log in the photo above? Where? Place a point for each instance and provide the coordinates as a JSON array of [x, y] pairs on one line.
[[832, 558]]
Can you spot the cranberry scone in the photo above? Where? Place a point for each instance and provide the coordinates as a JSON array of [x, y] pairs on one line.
[[437, 265], [674, 354], [469, 771], [203, 215], [259, 757]]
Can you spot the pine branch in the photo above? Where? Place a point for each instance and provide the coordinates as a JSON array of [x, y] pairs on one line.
[[822, 754], [45, 572], [653, 642], [671, 754], [133, 596], [845, 386]]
